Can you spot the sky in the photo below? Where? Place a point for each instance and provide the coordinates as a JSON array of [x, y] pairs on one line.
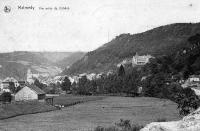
[[87, 24]]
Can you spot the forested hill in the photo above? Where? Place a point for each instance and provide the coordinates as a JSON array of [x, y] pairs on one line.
[[158, 41]]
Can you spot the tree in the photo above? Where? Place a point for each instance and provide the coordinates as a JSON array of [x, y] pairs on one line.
[[12, 87], [39, 84], [83, 86], [187, 101], [53, 88], [121, 71], [66, 84], [6, 97]]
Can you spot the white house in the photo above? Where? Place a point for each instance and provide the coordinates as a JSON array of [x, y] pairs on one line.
[[196, 91], [140, 60], [192, 81], [6, 82], [30, 92], [91, 76], [194, 78]]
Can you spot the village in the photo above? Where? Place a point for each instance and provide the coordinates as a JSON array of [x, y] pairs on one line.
[[23, 90]]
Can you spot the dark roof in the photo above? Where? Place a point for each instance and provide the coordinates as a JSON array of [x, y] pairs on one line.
[[35, 88]]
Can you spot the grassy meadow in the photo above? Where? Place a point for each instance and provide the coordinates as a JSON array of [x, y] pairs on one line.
[[89, 115], [22, 108], [69, 100]]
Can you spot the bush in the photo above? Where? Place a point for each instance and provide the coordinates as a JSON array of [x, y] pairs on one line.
[[123, 125], [6, 97]]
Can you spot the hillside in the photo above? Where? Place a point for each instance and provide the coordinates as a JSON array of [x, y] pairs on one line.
[[158, 41], [15, 64], [69, 60], [54, 56]]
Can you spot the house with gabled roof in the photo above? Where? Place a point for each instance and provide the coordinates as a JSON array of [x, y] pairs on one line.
[[30, 92]]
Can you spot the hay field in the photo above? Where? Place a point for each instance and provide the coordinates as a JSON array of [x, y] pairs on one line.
[[104, 112]]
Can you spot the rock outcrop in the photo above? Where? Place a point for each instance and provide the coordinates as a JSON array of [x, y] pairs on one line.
[[188, 123]]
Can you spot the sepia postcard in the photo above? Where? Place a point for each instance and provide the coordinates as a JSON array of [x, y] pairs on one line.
[[99, 65]]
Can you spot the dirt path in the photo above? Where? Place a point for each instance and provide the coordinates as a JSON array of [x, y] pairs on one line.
[[95, 113]]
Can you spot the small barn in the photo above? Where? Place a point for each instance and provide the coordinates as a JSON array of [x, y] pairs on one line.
[[30, 92]]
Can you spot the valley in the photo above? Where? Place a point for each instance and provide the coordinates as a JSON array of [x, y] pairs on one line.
[[48, 64]]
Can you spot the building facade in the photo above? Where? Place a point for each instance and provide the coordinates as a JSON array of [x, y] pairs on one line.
[[140, 60], [30, 92]]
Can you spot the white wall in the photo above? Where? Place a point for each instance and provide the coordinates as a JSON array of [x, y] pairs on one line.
[[26, 94], [194, 79]]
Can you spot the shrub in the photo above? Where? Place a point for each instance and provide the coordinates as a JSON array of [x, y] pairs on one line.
[[123, 125], [6, 97]]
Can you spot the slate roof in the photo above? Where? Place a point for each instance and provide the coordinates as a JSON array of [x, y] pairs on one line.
[[35, 89]]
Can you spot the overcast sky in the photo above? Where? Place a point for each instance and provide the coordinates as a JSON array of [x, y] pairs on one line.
[[86, 25]]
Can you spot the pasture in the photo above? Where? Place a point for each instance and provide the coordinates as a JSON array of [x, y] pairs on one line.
[[101, 112], [22, 108]]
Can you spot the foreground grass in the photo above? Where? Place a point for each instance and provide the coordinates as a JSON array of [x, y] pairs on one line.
[[32, 107], [23, 108], [90, 115]]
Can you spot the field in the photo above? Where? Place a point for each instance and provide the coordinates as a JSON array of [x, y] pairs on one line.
[[68, 100], [102, 112], [22, 108]]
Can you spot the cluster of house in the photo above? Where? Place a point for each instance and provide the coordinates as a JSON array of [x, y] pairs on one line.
[[26, 92], [74, 78], [136, 60], [90, 76], [31, 92], [4, 87]]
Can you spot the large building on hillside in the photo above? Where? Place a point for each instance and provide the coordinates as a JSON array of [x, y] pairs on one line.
[[140, 60]]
